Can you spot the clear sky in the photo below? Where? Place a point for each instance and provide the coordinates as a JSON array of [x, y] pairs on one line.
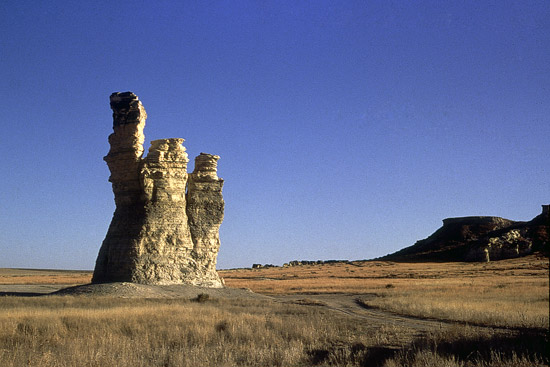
[[346, 129]]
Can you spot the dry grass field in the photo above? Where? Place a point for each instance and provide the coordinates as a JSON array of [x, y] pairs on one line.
[[106, 331], [40, 276], [511, 293], [76, 331], [87, 331]]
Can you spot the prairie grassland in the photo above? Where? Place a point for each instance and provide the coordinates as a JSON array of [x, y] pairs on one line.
[[87, 331], [522, 303], [78, 331], [510, 293], [100, 331], [36, 276]]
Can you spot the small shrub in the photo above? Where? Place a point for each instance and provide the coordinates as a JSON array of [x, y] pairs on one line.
[[222, 326], [203, 297]]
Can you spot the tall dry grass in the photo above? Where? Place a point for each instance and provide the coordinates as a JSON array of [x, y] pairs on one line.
[[471, 347], [510, 293], [86, 331], [521, 302], [72, 331]]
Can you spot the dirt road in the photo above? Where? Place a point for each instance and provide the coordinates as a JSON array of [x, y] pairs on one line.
[[348, 304], [408, 326]]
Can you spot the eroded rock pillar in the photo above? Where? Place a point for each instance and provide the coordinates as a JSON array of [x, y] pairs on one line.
[[205, 208], [151, 239], [118, 253]]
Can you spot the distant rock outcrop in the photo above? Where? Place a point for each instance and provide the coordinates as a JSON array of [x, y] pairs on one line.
[[159, 234], [301, 263], [481, 239]]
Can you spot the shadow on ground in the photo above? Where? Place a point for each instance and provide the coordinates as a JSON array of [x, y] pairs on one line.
[[470, 350]]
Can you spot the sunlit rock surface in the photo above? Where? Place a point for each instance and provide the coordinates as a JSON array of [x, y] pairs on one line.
[[159, 234]]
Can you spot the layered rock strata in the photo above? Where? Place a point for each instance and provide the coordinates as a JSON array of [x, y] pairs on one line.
[[165, 229], [205, 207]]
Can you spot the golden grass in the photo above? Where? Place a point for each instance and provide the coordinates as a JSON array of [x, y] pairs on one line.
[[72, 331], [521, 302], [32, 276], [510, 293], [85, 331], [98, 331]]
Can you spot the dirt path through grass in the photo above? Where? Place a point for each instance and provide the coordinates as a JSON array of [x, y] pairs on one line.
[[349, 305], [345, 303]]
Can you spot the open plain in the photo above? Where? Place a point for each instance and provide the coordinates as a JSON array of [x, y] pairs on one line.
[[360, 313]]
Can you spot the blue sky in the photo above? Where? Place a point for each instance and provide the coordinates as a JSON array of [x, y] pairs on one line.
[[346, 129]]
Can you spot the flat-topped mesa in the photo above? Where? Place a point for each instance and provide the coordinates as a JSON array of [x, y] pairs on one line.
[[151, 239], [478, 220], [481, 238]]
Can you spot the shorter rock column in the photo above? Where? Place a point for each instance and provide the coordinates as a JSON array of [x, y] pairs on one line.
[[164, 242], [205, 208]]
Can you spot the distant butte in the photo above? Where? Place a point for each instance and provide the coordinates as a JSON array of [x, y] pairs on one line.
[[165, 228], [481, 239]]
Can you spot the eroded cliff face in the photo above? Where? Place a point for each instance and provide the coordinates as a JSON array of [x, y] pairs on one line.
[[520, 239], [481, 239], [159, 234]]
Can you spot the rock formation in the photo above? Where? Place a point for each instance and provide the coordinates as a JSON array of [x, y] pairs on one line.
[[518, 239], [481, 239], [159, 234]]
